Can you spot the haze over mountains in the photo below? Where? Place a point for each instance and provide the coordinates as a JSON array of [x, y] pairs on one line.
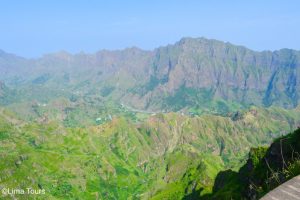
[[137, 124], [199, 69]]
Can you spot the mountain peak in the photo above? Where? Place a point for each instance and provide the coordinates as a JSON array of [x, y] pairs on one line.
[[205, 43], [199, 40], [2, 52], [5, 54]]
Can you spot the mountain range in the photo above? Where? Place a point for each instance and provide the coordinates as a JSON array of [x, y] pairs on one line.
[[172, 123], [200, 70]]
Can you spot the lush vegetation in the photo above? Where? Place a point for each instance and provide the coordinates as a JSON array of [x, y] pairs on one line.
[[174, 123], [265, 169], [165, 156]]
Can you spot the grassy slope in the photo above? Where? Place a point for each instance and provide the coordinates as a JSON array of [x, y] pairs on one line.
[[265, 169], [167, 156]]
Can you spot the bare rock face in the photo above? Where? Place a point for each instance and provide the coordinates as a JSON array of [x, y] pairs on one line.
[[198, 70], [228, 72]]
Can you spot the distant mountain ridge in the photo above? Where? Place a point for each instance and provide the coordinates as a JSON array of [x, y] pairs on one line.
[[198, 69], [138, 124]]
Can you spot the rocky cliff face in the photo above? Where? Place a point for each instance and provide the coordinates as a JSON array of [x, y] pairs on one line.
[[197, 70], [217, 70]]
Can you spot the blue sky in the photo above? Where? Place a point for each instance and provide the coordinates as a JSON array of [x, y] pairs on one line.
[[33, 28]]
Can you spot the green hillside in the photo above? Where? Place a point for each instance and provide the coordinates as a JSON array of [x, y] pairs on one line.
[[176, 122], [166, 156], [265, 169]]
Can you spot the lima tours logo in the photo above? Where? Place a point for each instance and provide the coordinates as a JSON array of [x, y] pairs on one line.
[[18, 191]]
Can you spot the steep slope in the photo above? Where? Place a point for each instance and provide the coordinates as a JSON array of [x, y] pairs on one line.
[[87, 129], [111, 161], [204, 70], [166, 156], [265, 169], [12, 68], [193, 75]]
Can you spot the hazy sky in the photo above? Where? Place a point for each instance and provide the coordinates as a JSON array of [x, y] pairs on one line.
[[32, 28]]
